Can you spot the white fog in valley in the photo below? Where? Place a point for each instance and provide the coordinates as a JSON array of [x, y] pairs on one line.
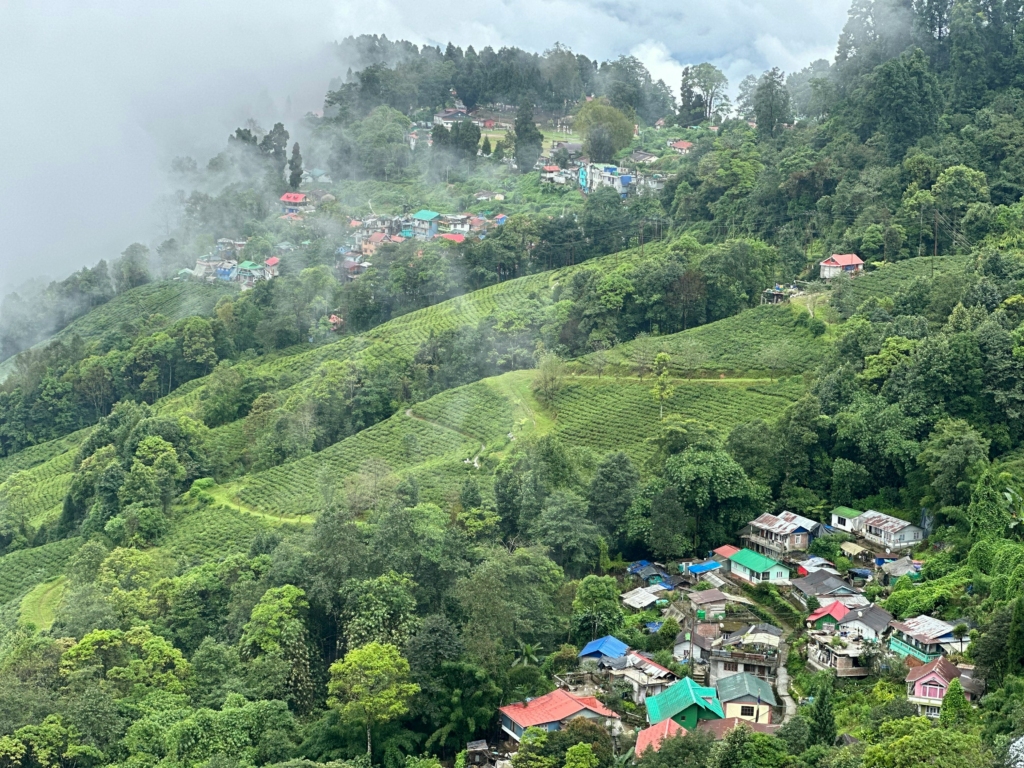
[[98, 98]]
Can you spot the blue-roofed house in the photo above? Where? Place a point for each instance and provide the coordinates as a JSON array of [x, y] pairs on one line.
[[639, 565], [607, 646]]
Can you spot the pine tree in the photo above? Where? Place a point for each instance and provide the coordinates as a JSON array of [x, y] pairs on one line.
[[295, 167], [486, 148], [529, 140], [955, 710], [822, 718], [1015, 641]]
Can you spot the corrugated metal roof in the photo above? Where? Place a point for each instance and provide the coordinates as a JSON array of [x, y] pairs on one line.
[[744, 684], [552, 708], [784, 523], [883, 521], [925, 628], [753, 561], [679, 697]]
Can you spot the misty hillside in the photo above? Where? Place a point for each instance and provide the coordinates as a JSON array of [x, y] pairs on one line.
[[520, 398]]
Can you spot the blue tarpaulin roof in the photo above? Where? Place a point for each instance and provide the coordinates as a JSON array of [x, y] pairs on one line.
[[637, 566], [608, 646], [710, 565], [653, 626]]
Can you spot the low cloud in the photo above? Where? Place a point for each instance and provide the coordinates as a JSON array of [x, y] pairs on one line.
[[98, 97]]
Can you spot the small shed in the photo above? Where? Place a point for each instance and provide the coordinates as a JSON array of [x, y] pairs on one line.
[[604, 647]]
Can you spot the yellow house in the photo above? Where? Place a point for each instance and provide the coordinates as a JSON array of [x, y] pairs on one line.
[[746, 697]]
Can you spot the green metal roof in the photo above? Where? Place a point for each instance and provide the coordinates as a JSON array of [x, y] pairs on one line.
[[248, 265], [753, 561], [426, 215], [744, 684], [679, 697], [847, 512]]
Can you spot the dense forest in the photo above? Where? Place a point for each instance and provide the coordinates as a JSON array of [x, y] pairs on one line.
[[341, 522]]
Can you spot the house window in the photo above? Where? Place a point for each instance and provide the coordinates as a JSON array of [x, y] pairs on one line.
[[746, 711], [932, 691], [931, 711], [841, 521], [731, 666]]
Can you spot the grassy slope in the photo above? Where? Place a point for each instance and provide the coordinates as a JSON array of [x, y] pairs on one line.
[[40, 604], [890, 278], [171, 298], [733, 346], [437, 441]]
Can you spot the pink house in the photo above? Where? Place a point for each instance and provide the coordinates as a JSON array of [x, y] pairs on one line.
[[927, 685]]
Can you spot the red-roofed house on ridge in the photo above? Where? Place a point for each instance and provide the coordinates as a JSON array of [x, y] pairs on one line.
[[294, 202], [682, 147], [551, 711], [838, 263]]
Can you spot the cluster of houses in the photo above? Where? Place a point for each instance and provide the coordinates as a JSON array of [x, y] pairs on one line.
[[734, 658], [371, 232], [227, 263]]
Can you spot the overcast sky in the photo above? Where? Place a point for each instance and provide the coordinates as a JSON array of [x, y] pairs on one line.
[[97, 96]]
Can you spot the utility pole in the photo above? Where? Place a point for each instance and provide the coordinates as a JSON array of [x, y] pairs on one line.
[[935, 249]]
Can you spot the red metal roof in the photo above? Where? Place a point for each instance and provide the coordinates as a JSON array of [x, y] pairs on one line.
[[453, 237], [552, 168], [843, 260], [272, 261], [293, 197], [836, 610], [727, 550], [377, 237], [682, 144], [651, 738], [553, 708]]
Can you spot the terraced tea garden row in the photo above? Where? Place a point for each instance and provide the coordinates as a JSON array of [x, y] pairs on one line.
[[762, 339], [400, 442], [618, 414], [21, 570], [210, 533], [476, 409], [41, 453], [891, 278]]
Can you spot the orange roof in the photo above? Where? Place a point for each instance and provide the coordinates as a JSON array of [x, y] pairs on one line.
[[552, 168], [682, 144], [836, 610], [453, 237], [377, 237], [293, 197], [553, 708], [651, 738], [727, 550]]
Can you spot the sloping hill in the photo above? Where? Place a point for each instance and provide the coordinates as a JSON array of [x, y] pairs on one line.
[[173, 299], [767, 338], [887, 279], [441, 441]]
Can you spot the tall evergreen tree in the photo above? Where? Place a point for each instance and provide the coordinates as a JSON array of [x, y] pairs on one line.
[[529, 139], [1015, 641], [295, 167], [822, 720]]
